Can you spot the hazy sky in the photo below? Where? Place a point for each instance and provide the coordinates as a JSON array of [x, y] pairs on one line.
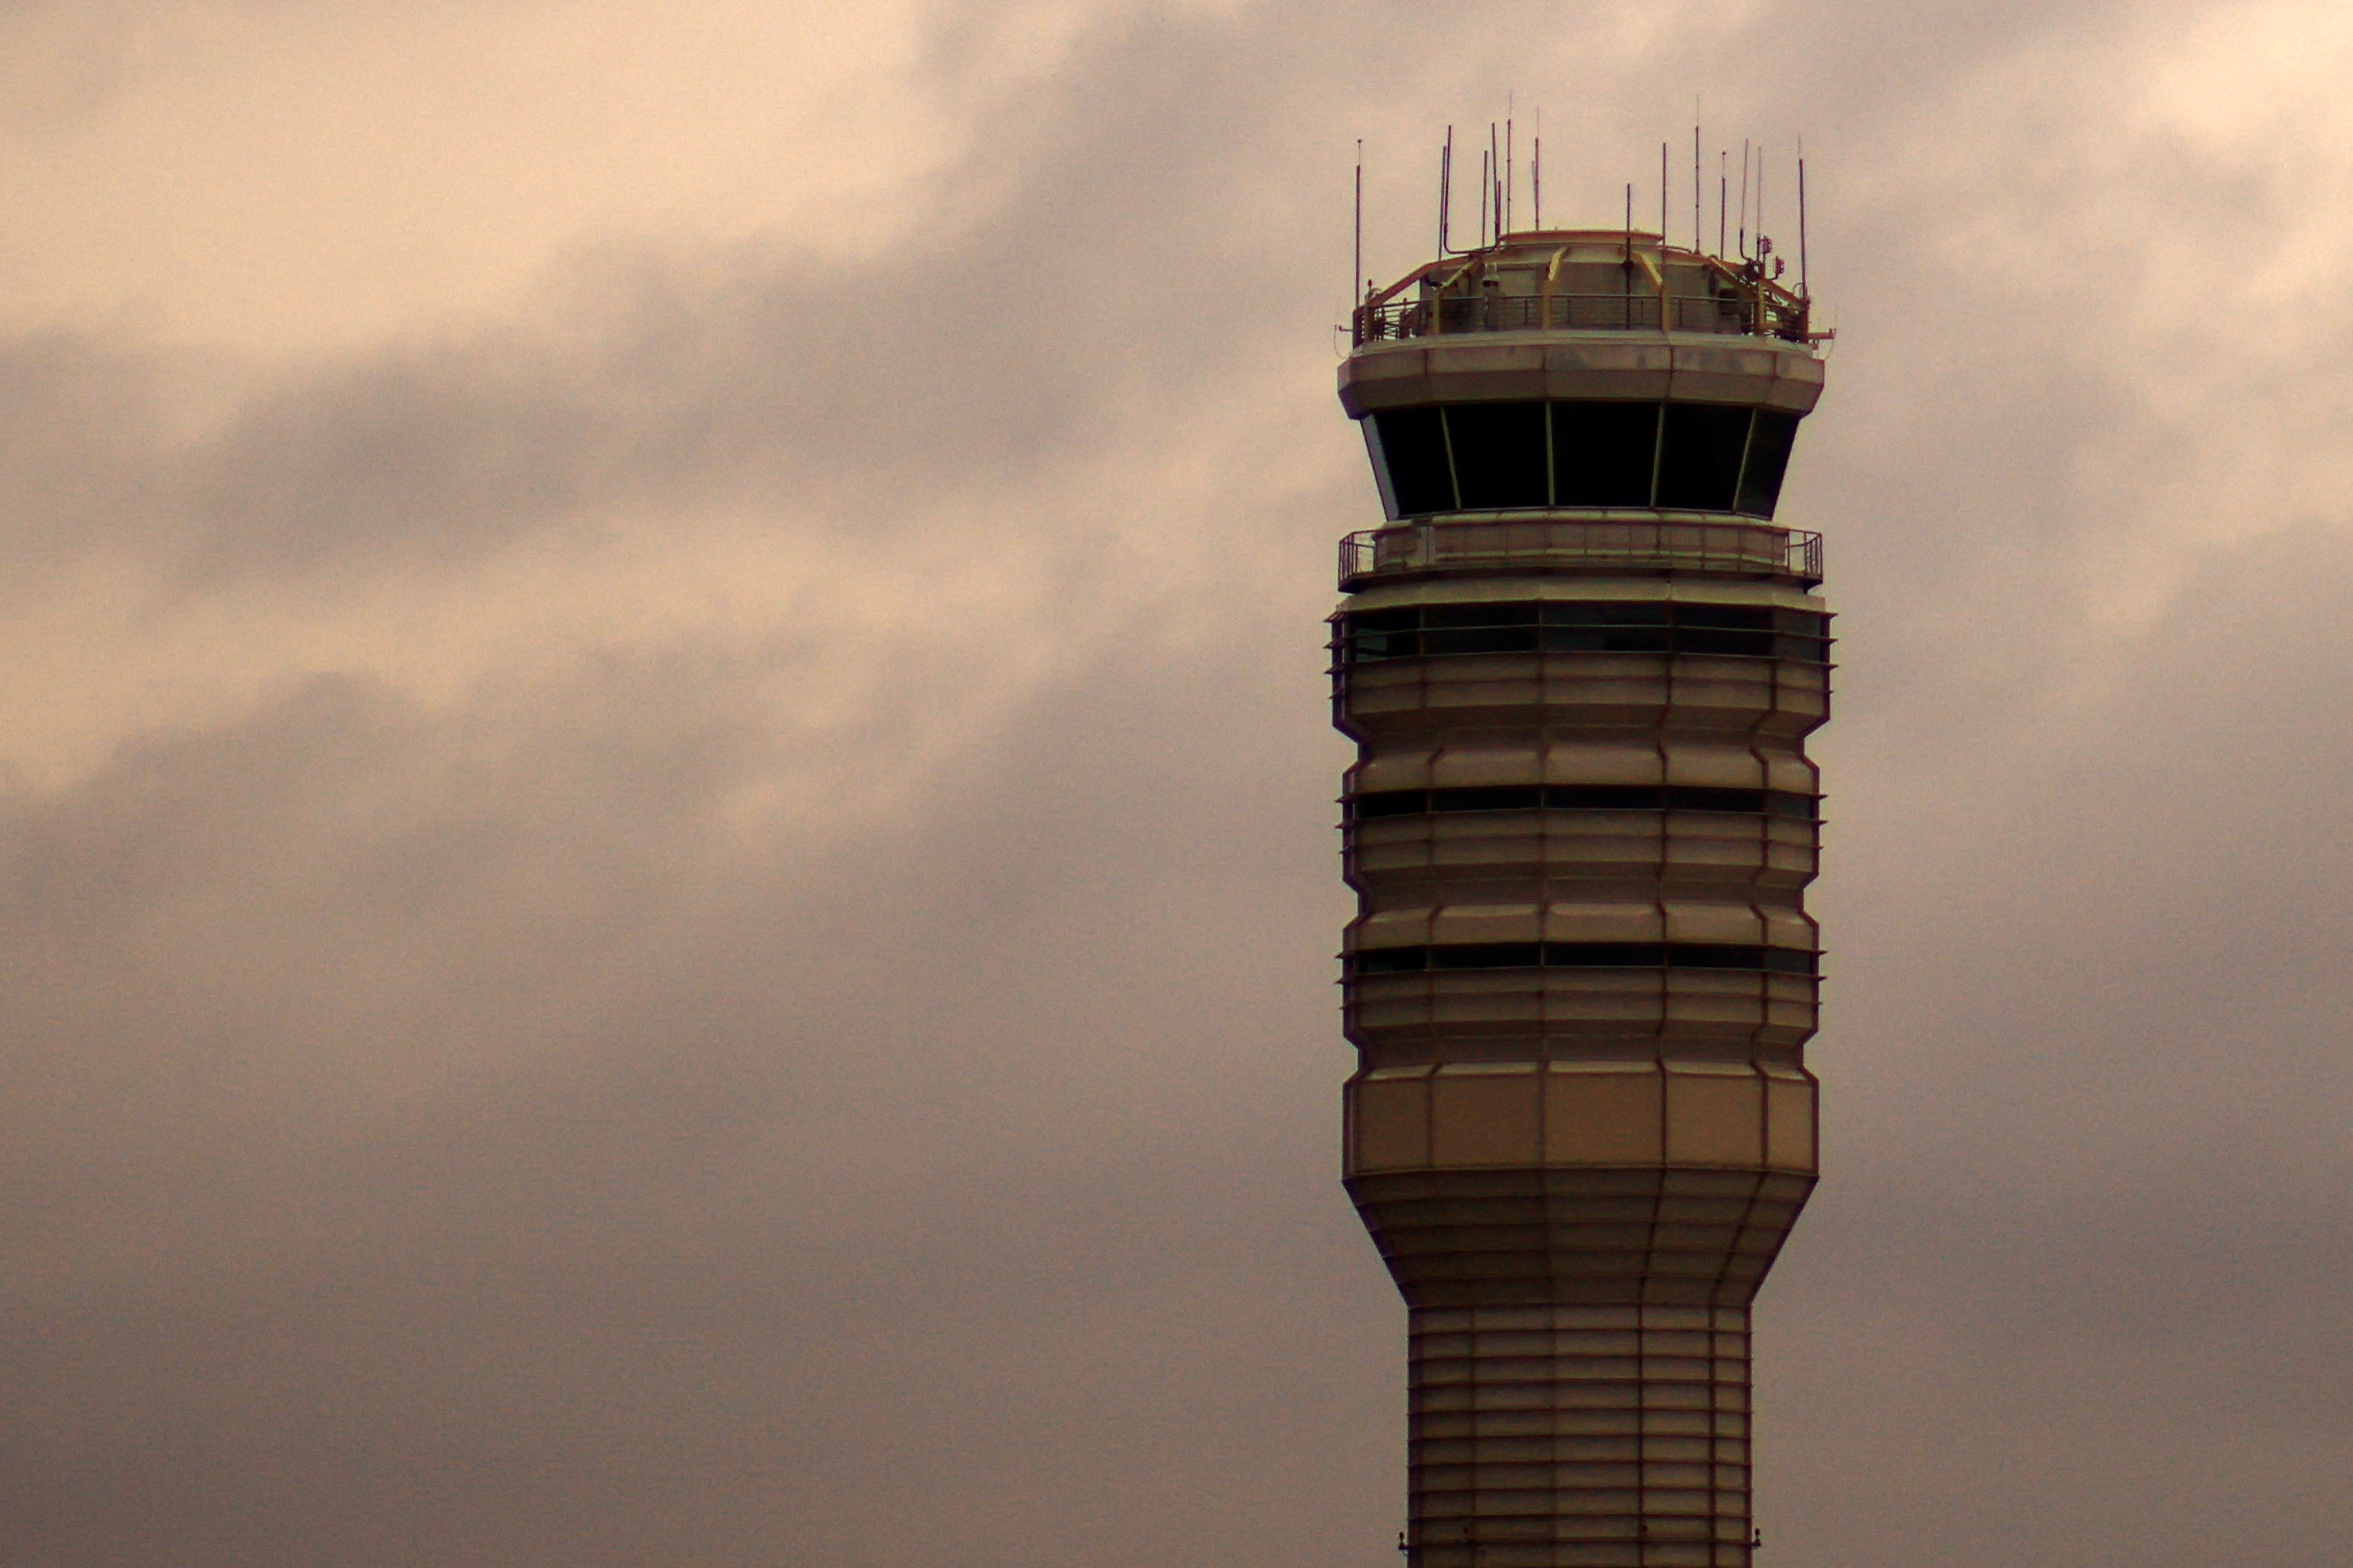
[[667, 852]]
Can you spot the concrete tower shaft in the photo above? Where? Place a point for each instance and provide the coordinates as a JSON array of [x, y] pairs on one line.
[[1580, 663]]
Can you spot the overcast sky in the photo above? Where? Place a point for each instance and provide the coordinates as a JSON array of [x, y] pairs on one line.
[[666, 883]]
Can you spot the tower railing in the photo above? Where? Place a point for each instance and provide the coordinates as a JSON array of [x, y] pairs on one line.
[[1633, 310], [1709, 546]]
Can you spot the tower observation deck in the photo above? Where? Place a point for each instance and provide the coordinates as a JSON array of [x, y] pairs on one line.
[[1580, 661]]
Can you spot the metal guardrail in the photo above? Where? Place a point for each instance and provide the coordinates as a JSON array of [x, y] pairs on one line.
[[1634, 310], [1732, 548]]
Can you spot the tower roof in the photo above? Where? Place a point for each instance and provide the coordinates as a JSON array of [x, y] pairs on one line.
[[1556, 282]]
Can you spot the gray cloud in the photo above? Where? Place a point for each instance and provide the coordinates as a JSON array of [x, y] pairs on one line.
[[452, 1129]]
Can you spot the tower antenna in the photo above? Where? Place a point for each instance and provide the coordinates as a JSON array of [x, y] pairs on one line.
[[1663, 201], [1699, 235], [1535, 178], [1445, 189], [1743, 235], [1723, 194], [1494, 183], [1511, 178], [1485, 183], [1358, 285], [1803, 292]]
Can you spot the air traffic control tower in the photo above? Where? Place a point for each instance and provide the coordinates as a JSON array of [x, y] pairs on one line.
[[1580, 661]]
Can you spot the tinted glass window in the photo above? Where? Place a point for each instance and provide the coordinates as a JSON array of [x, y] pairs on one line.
[[1499, 453], [1608, 613], [1603, 797], [1582, 955], [1602, 453], [1607, 627], [1414, 442], [1479, 629], [1739, 617], [1768, 459], [1699, 469], [1607, 639], [1484, 613], [1481, 639], [1580, 797], [1488, 798], [1687, 457], [1749, 631], [1403, 620]]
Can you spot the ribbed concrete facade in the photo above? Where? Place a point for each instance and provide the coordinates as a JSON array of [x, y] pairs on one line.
[[1580, 663]]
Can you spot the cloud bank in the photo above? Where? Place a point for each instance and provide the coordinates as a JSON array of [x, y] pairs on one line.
[[666, 848]]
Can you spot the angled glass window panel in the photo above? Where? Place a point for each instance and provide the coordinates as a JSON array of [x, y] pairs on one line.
[[1482, 614], [1801, 623], [1602, 797], [1699, 468], [1768, 459], [1488, 798], [1707, 639], [1714, 955], [1805, 650], [1609, 626], [1479, 639], [1697, 798], [1385, 620], [1604, 954], [1379, 634], [1389, 803], [1499, 454], [1734, 617], [1390, 960], [1366, 646], [1414, 442], [1789, 961], [1579, 797], [1487, 955], [1372, 429], [1606, 639], [1609, 612], [1602, 452]]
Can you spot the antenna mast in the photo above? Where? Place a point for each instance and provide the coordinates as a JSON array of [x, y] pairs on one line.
[[1486, 187], [1494, 183], [1743, 237], [1510, 177], [1445, 188], [1359, 286], [1627, 266], [1803, 292]]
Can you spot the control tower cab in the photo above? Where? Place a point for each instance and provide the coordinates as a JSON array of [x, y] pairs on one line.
[[1579, 661]]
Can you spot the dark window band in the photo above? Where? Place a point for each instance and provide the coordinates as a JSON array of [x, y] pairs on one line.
[[1654, 625], [1580, 956], [1579, 797], [1504, 457]]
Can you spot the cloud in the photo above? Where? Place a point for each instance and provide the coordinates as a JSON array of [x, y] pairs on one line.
[[687, 920]]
